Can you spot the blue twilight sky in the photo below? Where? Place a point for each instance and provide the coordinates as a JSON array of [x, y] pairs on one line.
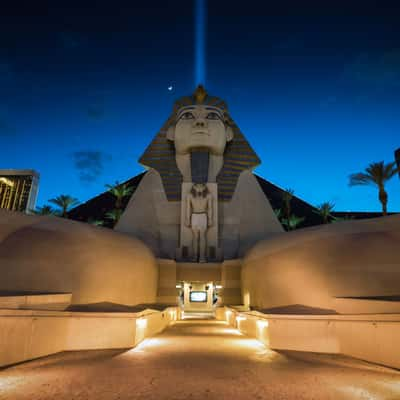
[[315, 88]]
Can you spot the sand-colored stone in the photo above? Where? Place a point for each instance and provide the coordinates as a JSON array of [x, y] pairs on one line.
[[197, 360], [313, 266], [243, 221], [225, 274], [50, 254], [12, 300], [370, 337], [25, 334]]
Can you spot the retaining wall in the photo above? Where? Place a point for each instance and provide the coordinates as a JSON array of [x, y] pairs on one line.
[[29, 334], [372, 337]]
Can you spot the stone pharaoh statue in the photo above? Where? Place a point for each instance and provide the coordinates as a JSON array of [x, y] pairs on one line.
[[199, 216]]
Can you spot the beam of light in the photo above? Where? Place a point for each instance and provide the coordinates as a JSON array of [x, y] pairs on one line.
[[200, 42]]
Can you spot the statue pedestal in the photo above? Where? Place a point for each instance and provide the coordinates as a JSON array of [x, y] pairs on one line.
[[184, 251]]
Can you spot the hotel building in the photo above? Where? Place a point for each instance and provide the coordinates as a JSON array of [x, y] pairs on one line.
[[18, 189]]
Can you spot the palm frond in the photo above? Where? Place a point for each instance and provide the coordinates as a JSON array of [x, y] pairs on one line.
[[44, 210], [361, 179], [377, 173], [120, 190], [95, 222], [64, 201], [293, 221], [114, 215]]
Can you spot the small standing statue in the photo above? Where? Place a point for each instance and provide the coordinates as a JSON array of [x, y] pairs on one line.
[[198, 217]]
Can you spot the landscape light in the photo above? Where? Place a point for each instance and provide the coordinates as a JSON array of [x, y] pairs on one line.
[[262, 324], [141, 323]]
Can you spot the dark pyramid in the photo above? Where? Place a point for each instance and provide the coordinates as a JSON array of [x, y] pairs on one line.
[[97, 207]]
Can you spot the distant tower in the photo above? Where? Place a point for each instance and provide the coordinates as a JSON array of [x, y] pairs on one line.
[[18, 189], [397, 158]]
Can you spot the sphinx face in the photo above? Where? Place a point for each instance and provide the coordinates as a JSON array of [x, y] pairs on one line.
[[200, 126]]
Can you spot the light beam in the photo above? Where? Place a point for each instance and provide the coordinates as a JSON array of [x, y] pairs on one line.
[[200, 42]]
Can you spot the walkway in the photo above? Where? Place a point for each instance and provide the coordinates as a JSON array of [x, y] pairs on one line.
[[195, 360]]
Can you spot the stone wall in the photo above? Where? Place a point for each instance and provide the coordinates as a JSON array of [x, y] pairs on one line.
[[371, 337], [226, 274], [315, 266], [46, 254], [27, 334]]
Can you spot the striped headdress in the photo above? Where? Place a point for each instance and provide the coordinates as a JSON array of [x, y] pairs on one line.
[[238, 156]]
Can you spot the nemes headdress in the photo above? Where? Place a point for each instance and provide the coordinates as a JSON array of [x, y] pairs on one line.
[[238, 156]]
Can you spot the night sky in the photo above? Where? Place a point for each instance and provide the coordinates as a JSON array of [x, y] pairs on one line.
[[315, 89]]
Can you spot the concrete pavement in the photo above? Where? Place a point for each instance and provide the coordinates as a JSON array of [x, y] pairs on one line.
[[196, 359]]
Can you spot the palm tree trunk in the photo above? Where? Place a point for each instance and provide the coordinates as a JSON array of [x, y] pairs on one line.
[[288, 212], [383, 198]]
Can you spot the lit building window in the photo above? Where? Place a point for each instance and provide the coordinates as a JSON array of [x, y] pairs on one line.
[[18, 189]]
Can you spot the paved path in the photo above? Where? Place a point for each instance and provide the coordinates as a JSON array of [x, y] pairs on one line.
[[195, 360]]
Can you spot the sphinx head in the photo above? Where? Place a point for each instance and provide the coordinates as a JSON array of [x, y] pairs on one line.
[[207, 128], [200, 126]]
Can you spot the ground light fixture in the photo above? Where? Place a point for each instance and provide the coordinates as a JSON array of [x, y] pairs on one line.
[[261, 324], [141, 322]]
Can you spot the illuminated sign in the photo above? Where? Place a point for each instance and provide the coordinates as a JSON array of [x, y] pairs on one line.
[[198, 297]]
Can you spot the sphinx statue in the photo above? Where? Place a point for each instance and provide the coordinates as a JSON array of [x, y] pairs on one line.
[[199, 144]]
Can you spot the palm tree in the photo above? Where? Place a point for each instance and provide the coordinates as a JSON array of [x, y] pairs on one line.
[[344, 218], [324, 210], [119, 191], [278, 213], [292, 222], [376, 174], [44, 210], [65, 202], [114, 215], [287, 197], [95, 222]]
